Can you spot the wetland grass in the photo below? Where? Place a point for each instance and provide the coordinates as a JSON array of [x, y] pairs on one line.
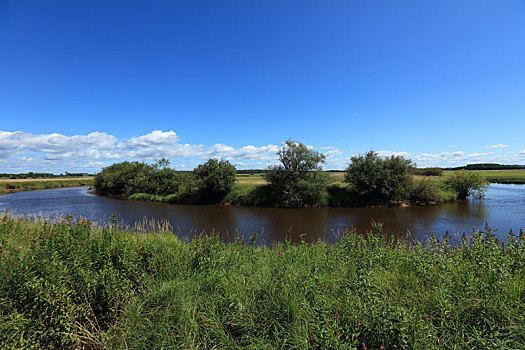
[[71, 284]]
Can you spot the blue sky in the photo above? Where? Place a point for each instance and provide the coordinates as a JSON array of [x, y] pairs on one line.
[[84, 84]]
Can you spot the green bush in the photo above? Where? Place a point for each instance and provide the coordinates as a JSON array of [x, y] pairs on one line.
[[467, 183], [123, 178], [208, 183], [298, 179], [250, 195], [425, 190], [379, 180], [214, 179]]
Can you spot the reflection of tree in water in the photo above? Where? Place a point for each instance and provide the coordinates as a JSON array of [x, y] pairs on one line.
[[503, 210]]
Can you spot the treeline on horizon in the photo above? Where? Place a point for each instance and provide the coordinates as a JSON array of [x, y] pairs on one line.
[[297, 180], [488, 166], [32, 175], [427, 171]]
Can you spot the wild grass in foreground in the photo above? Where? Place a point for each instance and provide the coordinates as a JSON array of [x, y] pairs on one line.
[[72, 285]]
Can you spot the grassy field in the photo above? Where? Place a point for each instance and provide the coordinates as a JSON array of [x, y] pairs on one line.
[[255, 179], [497, 176], [336, 177], [516, 176], [72, 285], [17, 185]]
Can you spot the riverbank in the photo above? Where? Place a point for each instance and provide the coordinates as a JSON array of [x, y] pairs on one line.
[[18, 185], [74, 285], [254, 193]]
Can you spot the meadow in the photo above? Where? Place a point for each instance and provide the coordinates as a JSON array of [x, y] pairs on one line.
[[18, 185], [514, 176], [70, 284]]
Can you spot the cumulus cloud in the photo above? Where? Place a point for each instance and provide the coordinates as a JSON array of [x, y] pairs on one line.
[[248, 152], [497, 146], [451, 159], [393, 153], [22, 152]]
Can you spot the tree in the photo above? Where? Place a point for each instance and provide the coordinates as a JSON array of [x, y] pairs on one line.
[[298, 179], [466, 183], [379, 179], [214, 179], [121, 178]]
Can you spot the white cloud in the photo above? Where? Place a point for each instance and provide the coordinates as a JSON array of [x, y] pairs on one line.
[[393, 153], [497, 146], [22, 152], [333, 152]]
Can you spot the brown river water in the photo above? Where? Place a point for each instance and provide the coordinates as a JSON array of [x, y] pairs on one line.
[[502, 209]]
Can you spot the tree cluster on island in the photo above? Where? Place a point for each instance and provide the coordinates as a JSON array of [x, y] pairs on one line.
[[296, 180]]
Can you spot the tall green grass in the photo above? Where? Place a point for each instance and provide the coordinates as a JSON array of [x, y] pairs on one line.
[[73, 285]]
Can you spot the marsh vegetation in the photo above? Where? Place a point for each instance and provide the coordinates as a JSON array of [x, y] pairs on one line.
[[71, 284]]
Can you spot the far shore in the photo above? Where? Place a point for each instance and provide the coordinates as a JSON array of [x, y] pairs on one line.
[[20, 185]]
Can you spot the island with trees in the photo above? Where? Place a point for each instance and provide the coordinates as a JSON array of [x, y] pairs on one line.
[[296, 180]]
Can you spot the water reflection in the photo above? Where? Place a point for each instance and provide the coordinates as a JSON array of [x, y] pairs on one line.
[[504, 209]]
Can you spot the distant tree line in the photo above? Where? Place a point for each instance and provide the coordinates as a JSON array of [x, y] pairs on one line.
[[251, 171], [426, 171], [488, 166], [32, 175]]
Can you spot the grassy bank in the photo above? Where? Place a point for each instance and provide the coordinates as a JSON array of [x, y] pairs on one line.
[[72, 285], [18, 185], [252, 190]]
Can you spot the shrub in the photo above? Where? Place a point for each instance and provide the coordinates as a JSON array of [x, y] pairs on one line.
[[123, 178], [466, 183], [214, 179], [250, 195], [298, 179], [134, 177], [425, 190], [379, 179]]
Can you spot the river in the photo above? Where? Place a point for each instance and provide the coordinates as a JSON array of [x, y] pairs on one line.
[[503, 209]]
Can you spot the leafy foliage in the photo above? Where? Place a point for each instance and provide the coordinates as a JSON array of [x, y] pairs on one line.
[[424, 190], [297, 180], [123, 178], [209, 182], [379, 179], [215, 178], [466, 183]]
